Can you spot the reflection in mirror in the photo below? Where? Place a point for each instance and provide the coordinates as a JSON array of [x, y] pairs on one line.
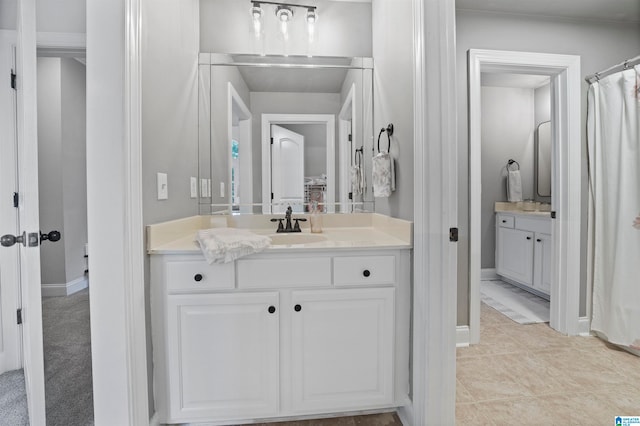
[[543, 159], [277, 131]]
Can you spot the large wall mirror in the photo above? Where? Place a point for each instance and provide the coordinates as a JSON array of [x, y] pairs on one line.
[[276, 131], [543, 159]]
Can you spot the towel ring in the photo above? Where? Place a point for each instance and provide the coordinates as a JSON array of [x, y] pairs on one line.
[[389, 131], [510, 163]]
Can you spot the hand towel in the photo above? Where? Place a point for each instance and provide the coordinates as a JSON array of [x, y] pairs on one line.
[[223, 245], [357, 180], [514, 186], [383, 170]]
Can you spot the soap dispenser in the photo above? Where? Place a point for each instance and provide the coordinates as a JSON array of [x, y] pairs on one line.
[[316, 218]]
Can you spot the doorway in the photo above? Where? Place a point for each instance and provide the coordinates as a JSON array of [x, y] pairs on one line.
[[63, 208], [564, 74], [294, 122]]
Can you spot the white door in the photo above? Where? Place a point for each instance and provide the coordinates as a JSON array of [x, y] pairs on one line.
[[287, 170], [342, 349], [223, 356], [24, 170]]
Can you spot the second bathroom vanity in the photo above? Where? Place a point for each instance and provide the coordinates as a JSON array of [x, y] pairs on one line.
[[523, 247], [309, 326]]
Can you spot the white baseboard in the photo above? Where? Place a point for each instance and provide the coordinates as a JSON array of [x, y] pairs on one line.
[[405, 414], [584, 326], [489, 274], [55, 290], [462, 336], [153, 421]]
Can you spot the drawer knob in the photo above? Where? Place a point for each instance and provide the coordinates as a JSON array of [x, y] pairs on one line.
[[366, 272], [272, 309], [297, 308], [504, 221], [198, 277]]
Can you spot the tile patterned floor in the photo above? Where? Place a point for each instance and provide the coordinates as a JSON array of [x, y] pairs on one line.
[[532, 375]]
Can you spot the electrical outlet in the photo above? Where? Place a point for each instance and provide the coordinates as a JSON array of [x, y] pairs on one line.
[[194, 187], [163, 186]]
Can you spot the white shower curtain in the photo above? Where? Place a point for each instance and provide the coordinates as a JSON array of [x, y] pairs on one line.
[[613, 125]]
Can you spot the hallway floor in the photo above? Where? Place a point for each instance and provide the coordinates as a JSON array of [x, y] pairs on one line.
[[532, 375]]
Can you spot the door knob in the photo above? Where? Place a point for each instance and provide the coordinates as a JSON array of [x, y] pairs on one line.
[[9, 240], [51, 236]]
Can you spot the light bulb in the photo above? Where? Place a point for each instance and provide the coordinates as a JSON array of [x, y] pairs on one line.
[[312, 16], [284, 13]]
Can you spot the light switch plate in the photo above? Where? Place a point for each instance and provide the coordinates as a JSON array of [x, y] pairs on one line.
[[163, 188], [203, 188], [194, 187], [208, 187], [221, 189]]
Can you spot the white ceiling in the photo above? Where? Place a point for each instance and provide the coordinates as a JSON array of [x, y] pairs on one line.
[[608, 10]]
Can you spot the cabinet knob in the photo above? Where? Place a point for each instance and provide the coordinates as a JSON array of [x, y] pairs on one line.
[[272, 309], [198, 277], [539, 240], [297, 308], [366, 272], [504, 221], [528, 238]]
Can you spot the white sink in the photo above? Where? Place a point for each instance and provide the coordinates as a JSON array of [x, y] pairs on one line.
[[295, 238]]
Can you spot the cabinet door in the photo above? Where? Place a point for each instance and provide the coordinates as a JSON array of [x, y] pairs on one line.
[[223, 356], [514, 255], [542, 263], [342, 349]]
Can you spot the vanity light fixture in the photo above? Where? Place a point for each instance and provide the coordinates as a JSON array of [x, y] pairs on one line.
[[284, 14]]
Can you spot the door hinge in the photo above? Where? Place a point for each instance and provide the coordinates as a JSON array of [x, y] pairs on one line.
[[350, 138], [453, 234], [13, 80], [271, 141], [351, 195], [16, 199], [272, 195], [19, 316], [553, 215]]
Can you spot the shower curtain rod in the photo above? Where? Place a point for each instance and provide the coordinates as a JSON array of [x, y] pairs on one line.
[[614, 69]]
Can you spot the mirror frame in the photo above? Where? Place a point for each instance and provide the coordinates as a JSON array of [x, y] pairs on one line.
[[339, 202]]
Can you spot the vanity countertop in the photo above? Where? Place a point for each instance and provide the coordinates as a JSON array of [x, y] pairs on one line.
[[340, 232], [517, 208]]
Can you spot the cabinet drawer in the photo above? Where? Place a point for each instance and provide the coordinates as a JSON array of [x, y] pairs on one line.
[[198, 275], [534, 225], [505, 221], [289, 272], [364, 270]]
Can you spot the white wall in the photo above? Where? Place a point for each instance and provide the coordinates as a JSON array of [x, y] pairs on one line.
[[52, 259], [393, 97], [507, 133], [62, 167], [343, 29], [599, 44]]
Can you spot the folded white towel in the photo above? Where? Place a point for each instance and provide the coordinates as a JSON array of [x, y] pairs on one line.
[[514, 186], [384, 174], [223, 245]]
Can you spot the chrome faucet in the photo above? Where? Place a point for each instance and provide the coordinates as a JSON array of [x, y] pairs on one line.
[[287, 218]]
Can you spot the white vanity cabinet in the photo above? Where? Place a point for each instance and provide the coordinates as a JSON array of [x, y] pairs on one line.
[[279, 335], [523, 250]]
